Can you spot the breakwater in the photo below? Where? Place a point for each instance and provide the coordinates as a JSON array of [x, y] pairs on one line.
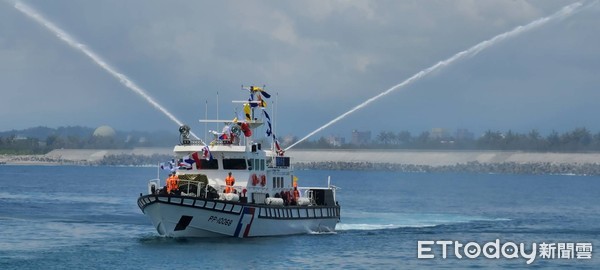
[[470, 167], [514, 162]]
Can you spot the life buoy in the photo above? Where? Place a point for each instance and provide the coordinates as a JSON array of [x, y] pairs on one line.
[[254, 180], [263, 180]]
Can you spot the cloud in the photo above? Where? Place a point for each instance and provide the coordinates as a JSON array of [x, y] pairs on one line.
[[322, 57]]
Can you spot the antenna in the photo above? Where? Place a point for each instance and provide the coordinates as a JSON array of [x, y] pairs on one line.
[[206, 118], [274, 114], [217, 129]]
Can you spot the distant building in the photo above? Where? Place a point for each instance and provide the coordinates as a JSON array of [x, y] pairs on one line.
[[439, 133], [360, 137], [20, 138], [336, 141], [463, 134], [104, 131]]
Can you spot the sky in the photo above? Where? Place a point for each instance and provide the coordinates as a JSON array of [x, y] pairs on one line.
[[318, 59]]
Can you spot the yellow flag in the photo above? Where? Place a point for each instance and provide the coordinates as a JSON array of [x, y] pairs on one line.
[[247, 111]]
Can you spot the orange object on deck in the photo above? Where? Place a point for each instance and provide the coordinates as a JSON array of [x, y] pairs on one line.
[[229, 182]]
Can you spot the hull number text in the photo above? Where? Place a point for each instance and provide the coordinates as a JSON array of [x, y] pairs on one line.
[[222, 221]]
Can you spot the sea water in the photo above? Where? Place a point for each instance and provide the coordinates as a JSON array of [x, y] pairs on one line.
[[58, 217]]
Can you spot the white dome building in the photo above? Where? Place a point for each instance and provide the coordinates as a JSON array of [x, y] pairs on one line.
[[104, 131]]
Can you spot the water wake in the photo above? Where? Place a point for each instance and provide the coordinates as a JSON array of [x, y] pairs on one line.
[[64, 36], [561, 14], [362, 221]]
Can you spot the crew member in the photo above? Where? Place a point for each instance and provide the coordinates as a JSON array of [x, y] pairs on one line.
[[172, 183], [168, 183], [296, 194], [229, 182]]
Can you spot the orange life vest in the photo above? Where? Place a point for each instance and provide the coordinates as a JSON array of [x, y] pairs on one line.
[[172, 183], [229, 182]]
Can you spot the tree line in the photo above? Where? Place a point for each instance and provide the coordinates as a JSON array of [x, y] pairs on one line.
[[577, 140], [17, 145]]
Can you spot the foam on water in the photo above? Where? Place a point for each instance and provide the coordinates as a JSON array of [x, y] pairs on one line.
[[61, 197], [45, 235], [381, 221]]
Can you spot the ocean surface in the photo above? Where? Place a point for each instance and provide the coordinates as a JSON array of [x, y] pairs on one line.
[[72, 217]]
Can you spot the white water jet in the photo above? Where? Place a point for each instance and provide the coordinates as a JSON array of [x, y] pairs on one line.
[[561, 14], [31, 13]]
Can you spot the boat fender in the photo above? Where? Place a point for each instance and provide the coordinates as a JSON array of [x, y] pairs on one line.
[[230, 197], [254, 179], [274, 201], [263, 180], [303, 201]]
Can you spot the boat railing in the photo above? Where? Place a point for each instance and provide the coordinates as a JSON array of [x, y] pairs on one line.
[[153, 186], [238, 189], [191, 188]]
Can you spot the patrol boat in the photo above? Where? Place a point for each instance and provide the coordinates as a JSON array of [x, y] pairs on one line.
[[264, 200]]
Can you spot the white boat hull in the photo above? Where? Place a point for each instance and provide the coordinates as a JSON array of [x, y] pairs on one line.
[[177, 216]]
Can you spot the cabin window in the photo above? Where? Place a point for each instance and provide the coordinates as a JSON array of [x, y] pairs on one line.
[[278, 182], [256, 164], [282, 161], [234, 164], [209, 164]]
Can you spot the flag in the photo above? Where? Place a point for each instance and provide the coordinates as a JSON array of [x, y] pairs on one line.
[[261, 102], [167, 165], [256, 94], [260, 90], [186, 163], [206, 153], [268, 122], [265, 94], [251, 101], [196, 160], [279, 150], [247, 112]]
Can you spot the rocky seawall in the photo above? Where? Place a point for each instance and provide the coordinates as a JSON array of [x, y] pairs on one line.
[[389, 160], [471, 167], [514, 162]]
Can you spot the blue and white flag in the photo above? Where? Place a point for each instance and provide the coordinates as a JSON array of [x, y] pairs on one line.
[[186, 163], [168, 165], [269, 131]]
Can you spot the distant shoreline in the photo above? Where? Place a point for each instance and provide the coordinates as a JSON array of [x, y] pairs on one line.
[[391, 160]]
